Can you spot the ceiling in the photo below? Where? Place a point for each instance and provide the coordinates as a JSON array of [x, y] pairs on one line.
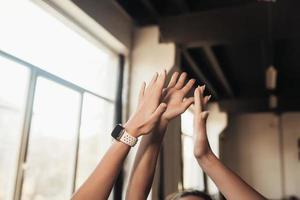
[[229, 44]]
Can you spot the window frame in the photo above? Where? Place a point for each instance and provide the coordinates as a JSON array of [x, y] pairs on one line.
[[185, 135], [35, 73]]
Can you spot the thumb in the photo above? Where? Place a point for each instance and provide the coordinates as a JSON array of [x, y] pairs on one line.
[[158, 112], [204, 115], [201, 118], [200, 124], [187, 102]]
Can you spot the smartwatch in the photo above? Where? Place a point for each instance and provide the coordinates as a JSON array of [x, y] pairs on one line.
[[120, 134]]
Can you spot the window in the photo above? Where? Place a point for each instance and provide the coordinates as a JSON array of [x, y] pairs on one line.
[[57, 104], [193, 177], [14, 81], [30, 33], [52, 142], [96, 123]]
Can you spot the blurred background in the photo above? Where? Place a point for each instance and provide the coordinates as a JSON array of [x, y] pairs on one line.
[[71, 70]]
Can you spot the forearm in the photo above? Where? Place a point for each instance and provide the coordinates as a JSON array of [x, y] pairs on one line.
[[100, 183], [145, 164], [230, 184]]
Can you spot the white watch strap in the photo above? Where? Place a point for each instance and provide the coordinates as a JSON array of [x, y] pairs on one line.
[[128, 139]]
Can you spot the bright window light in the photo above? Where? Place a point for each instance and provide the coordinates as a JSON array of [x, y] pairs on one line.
[[96, 122], [30, 33], [50, 161], [14, 81], [192, 173], [61, 115]]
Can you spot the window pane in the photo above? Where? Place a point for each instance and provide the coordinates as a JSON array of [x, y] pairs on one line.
[[96, 125], [13, 91], [49, 44], [187, 119], [192, 173], [50, 161]]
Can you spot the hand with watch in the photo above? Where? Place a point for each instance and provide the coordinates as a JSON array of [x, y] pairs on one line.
[[121, 135], [144, 119], [147, 115], [175, 97]]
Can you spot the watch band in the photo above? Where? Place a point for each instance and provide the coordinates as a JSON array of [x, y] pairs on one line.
[[128, 139]]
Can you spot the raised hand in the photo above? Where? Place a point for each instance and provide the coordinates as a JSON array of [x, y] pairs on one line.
[[146, 157], [228, 183], [149, 111], [174, 96], [149, 108], [201, 146]]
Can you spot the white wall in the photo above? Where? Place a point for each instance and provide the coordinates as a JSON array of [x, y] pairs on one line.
[[111, 17], [251, 147], [148, 57], [291, 167]]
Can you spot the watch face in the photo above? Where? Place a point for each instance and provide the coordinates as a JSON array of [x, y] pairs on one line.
[[117, 131]]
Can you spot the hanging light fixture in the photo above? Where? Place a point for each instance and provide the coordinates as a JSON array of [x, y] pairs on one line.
[[271, 78], [273, 101]]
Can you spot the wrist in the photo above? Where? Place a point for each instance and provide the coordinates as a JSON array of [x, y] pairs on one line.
[[207, 159], [163, 123], [131, 129], [158, 132]]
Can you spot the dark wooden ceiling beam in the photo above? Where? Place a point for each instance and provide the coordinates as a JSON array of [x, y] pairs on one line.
[[251, 105], [220, 25], [197, 70], [151, 9], [226, 25], [244, 105], [215, 65], [181, 5]]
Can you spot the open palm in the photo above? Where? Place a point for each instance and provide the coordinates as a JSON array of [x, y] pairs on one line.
[[174, 96]]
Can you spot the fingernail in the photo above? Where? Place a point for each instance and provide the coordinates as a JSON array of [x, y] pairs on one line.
[[208, 98]]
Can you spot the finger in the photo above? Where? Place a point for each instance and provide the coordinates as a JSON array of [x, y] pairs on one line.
[[154, 78], [155, 116], [188, 86], [161, 80], [173, 80], [206, 99], [187, 102], [197, 100], [181, 81], [142, 90], [202, 89]]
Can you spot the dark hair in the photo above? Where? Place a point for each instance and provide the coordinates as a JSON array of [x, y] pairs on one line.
[[186, 193]]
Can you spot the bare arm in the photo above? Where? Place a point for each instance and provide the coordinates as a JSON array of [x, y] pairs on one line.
[[146, 158], [230, 184], [100, 183]]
